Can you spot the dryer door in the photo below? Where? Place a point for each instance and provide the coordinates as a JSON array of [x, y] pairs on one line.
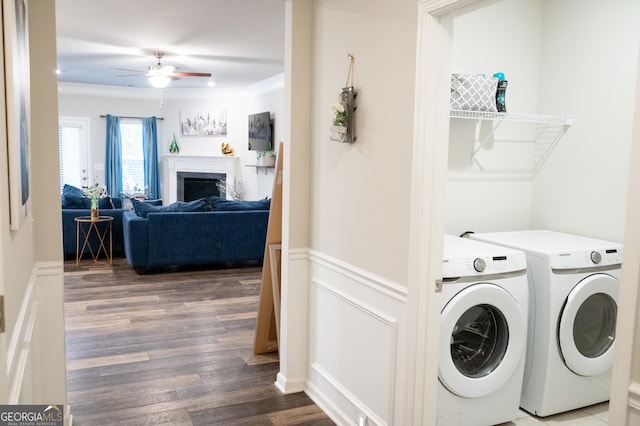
[[587, 327], [483, 330]]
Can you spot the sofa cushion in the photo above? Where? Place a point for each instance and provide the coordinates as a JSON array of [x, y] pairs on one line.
[[72, 197], [218, 203], [142, 209], [139, 206]]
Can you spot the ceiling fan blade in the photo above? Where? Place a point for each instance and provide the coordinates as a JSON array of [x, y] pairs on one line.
[[192, 74], [129, 70]]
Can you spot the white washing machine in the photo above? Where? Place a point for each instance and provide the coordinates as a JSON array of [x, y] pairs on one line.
[[573, 290], [482, 334]]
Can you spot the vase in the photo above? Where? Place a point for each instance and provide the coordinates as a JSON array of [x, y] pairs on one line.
[[94, 209], [268, 161], [173, 148], [339, 133]]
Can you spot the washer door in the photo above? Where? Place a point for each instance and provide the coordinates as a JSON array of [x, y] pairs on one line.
[[587, 327], [483, 331]]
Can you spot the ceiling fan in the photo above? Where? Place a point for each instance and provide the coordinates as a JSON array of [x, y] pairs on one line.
[[161, 75]]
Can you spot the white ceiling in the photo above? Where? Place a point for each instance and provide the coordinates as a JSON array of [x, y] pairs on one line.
[[240, 42]]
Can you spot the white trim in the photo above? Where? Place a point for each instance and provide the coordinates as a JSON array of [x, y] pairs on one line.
[[621, 410], [372, 281], [380, 317], [289, 386], [19, 347], [634, 396], [147, 93], [332, 409]]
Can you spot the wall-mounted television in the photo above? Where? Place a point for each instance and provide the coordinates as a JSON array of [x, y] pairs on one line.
[[260, 132]]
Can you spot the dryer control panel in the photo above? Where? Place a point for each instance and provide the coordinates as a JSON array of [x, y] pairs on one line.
[[580, 259]]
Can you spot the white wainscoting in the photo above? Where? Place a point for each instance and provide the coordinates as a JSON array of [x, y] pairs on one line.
[[357, 329], [36, 354]]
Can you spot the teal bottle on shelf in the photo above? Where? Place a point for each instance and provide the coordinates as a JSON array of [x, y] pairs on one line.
[[501, 105], [173, 148]]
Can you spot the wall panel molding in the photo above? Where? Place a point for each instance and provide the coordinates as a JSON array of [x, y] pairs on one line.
[[355, 356], [379, 284]]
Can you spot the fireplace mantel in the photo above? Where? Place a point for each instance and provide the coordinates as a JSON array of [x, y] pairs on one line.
[[173, 164]]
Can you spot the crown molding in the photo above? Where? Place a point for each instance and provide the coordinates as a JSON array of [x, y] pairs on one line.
[[66, 88]]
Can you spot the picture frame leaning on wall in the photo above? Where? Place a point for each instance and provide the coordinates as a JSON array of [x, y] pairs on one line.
[[17, 94]]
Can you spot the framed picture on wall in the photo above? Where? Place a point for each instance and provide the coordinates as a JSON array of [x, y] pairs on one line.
[[16, 62], [212, 123]]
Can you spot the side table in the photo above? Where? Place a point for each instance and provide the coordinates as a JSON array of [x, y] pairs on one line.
[[87, 226]]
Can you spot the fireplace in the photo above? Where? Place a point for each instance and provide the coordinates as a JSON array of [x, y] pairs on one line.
[[195, 185], [198, 167]]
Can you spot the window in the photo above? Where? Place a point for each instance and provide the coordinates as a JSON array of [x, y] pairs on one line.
[[73, 136], [132, 156]]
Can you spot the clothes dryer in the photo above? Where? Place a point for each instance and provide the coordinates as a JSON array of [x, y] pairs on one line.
[[573, 289], [483, 333]]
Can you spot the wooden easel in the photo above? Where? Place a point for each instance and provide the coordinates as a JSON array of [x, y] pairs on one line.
[[267, 328]]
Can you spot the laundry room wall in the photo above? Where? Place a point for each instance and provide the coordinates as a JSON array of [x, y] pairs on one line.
[[503, 37], [588, 68], [570, 58]]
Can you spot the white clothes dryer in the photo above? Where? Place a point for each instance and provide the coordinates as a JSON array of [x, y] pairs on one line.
[[573, 289], [483, 333]]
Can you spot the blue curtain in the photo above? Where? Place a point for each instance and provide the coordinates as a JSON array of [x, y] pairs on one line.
[[112, 162], [150, 149]]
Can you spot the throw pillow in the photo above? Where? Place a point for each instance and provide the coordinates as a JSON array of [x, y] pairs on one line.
[[142, 208], [106, 203], [72, 197], [218, 203]]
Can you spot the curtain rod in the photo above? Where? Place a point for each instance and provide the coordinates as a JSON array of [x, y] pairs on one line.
[[122, 116]]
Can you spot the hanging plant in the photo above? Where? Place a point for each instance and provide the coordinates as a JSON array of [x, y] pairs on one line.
[[342, 124]]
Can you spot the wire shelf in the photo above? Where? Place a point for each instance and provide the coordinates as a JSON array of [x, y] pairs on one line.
[[513, 143]]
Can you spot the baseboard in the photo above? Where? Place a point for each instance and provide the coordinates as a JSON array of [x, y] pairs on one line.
[[289, 386]]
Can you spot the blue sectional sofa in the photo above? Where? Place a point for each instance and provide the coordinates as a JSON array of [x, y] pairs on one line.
[[194, 234]]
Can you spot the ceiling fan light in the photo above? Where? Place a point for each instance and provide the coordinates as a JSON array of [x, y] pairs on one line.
[[159, 81]]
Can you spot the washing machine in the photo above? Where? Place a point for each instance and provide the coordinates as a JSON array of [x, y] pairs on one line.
[[573, 293], [483, 333]]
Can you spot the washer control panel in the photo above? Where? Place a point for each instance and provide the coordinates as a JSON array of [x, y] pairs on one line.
[[482, 265]]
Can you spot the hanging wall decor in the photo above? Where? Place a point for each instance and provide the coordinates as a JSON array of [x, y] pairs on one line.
[[342, 127]]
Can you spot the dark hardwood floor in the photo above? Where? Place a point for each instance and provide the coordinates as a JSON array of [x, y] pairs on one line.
[[171, 348]]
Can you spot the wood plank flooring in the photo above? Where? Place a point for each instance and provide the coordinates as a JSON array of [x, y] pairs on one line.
[[171, 348]]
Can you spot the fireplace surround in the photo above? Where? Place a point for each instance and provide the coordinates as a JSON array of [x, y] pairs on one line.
[[211, 167]]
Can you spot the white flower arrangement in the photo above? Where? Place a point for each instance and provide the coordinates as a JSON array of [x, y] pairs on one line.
[[339, 114], [94, 191]]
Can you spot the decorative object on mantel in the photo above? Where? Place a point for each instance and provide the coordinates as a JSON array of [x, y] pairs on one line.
[[226, 149], [94, 192], [266, 158], [173, 148], [342, 127]]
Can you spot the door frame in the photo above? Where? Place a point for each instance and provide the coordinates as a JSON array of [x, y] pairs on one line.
[[429, 172]]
